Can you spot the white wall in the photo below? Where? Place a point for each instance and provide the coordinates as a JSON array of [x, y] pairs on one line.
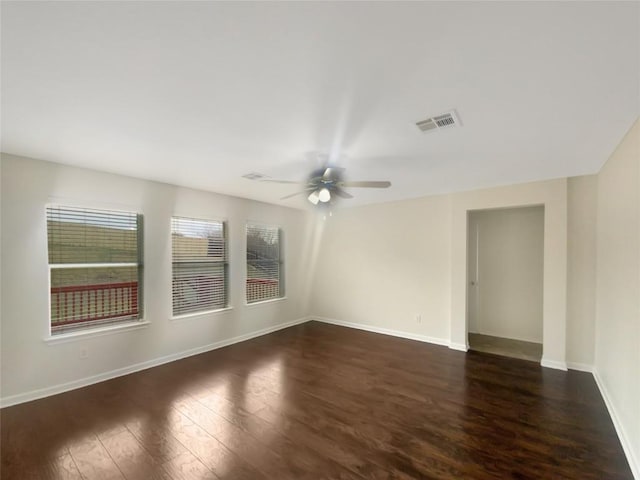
[[581, 269], [617, 344], [506, 256], [382, 265], [29, 364]]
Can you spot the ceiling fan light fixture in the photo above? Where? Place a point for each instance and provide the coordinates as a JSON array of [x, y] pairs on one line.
[[314, 197], [326, 185], [324, 195]]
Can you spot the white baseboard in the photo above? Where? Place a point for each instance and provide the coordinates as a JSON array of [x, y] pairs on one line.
[[461, 347], [384, 331], [580, 367], [84, 382], [554, 364], [634, 461]]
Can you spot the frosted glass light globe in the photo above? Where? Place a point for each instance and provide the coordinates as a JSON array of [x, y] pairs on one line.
[[324, 195]]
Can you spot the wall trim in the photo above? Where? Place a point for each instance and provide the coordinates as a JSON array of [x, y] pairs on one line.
[[101, 377], [634, 462], [580, 367], [383, 331], [461, 347], [545, 362]]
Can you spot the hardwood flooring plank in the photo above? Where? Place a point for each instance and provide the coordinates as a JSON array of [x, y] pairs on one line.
[[93, 460], [330, 442], [131, 458], [156, 437], [275, 456], [185, 466], [61, 468], [259, 428], [211, 452]]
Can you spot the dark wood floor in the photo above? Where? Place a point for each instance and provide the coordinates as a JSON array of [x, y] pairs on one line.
[[321, 402]]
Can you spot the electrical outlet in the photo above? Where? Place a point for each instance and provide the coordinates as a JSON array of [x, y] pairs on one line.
[[419, 318], [84, 353]]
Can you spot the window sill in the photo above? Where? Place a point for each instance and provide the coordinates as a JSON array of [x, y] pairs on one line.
[[95, 332], [265, 302], [189, 316]]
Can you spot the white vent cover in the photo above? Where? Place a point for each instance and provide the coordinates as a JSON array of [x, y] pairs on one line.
[[446, 120], [253, 176]]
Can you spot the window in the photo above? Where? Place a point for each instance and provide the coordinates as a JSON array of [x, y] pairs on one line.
[[264, 263], [199, 255], [95, 267]]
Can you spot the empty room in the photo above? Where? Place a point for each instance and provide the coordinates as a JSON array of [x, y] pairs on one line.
[[320, 240]]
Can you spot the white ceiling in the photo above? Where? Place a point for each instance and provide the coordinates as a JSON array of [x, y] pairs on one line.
[[198, 94]]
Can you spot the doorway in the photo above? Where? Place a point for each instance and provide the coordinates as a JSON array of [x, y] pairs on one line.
[[505, 261]]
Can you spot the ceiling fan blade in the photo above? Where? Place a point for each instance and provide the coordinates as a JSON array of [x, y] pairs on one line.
[[341, 193], [331, 173], [297, 193], [282, 181], [365, 184]]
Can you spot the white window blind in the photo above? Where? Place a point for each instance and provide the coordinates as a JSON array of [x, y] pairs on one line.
[[264, 263], [95, 267], [199, 254]]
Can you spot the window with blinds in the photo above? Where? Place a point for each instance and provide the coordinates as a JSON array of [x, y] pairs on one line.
[[95, 267], [199, 255], [264, 263]]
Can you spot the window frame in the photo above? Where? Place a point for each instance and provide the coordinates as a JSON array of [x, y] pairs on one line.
[[224, 263], [108, 323], [280, 262]]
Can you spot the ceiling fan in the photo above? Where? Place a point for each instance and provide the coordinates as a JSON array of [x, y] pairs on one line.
[[325, 184]]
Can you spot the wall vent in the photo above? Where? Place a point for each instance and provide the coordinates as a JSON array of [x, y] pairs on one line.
[[446, 120]]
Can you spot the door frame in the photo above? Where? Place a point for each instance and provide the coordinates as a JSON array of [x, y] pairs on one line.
[[552, 195], [474, 284]]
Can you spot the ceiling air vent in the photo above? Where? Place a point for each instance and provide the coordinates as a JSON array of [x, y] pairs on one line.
[[253, 176], [446, 120]]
